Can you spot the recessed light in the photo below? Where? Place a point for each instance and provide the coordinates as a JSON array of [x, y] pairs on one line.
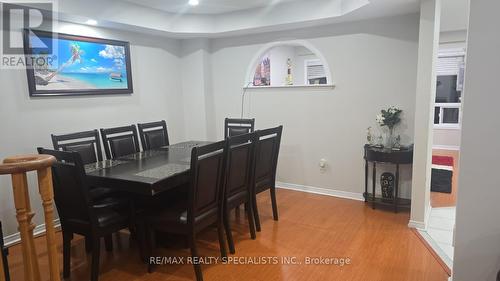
[[91, 22], [194, 2]]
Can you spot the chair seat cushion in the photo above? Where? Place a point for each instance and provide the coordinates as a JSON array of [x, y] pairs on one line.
[[109, 217], [235, 200], [176, 213], [263, 184], [112, 202], [100, 192]]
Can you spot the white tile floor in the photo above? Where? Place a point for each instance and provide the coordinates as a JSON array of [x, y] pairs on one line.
[[439, 232]]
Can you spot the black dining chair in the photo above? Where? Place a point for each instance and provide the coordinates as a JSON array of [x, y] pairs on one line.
[[120, 141], [239, 189], [5, 253], [88, 145], [203, 207], [234, 126], [267, 148], [78, 213], [153, 135]]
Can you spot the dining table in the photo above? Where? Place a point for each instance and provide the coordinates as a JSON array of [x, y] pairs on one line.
[[146, 173]]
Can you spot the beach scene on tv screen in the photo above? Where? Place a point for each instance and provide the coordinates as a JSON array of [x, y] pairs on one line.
[[80, 65]]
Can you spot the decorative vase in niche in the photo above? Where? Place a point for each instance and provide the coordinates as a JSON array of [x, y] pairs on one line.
[[387, 185], [389, 141]]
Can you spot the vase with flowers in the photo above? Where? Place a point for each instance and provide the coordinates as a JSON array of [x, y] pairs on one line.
[[389, 118]]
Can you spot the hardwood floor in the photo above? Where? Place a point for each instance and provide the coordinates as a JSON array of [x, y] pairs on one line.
[[439, 199], [378, 243]]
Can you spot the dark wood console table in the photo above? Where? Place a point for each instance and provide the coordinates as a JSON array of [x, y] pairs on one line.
[[388, 156]]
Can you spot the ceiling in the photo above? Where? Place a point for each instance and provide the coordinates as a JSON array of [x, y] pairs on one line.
[[223, 18], [207, 6]]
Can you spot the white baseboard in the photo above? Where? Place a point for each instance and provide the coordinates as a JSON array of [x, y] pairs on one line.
[[322, 191], [444, 257], [420, 225], [39, 230], [446, 147]]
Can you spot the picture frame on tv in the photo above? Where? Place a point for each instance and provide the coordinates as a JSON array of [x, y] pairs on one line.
[[60, 64]]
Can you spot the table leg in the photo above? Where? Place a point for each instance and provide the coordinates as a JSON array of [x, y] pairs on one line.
[[396, 189], [374, 175], [366, 180]]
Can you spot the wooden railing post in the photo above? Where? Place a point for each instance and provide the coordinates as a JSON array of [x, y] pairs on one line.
[[2, 270], [18, 166], [47, 194], [4, 265]]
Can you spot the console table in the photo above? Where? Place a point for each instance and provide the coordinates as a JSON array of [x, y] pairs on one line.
[[387, 156]]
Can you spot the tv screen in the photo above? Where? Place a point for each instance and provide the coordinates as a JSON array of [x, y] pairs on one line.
[[63, 64]]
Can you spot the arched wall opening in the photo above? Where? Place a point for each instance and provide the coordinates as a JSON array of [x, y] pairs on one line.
[[288, 63]]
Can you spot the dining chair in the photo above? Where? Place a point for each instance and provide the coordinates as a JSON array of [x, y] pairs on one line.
[[203, 207], [120, 141], [267, 148], [5, 252], [78, 213], [234, 126], [88, 145], [238, 186], [153, 135]]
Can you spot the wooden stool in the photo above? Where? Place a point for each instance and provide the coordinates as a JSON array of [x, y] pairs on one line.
[[18, 166]]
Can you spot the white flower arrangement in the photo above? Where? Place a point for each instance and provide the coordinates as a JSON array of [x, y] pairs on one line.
[[380, 119], [389, 117]]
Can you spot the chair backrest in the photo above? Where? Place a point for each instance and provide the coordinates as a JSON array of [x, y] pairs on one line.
[[208, 165], [153, 135], [234, 127], [267, 148], [120, 141], [70, 187], [240, 157], [86, 143]]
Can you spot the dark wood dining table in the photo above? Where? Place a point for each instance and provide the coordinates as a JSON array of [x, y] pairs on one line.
[[145, 173]]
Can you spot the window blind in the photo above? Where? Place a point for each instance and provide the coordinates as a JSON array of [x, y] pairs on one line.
[[449, 65], [315, 71]]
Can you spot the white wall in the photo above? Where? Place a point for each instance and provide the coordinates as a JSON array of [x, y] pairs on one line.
[[299, 72], [373, 64], [195, 87], [477, 240], [446, 138], [279, 67], [28, 122], [424, 110]]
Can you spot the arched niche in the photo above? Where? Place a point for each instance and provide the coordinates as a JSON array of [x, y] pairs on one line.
[[295, 63]]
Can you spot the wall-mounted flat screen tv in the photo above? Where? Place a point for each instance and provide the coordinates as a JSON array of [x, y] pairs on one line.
[[62, 64]]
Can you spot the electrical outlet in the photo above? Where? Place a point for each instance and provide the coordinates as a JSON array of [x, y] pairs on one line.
[[322, 164]]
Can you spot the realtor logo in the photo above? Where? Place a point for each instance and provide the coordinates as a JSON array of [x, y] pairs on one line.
[[19, 17]]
